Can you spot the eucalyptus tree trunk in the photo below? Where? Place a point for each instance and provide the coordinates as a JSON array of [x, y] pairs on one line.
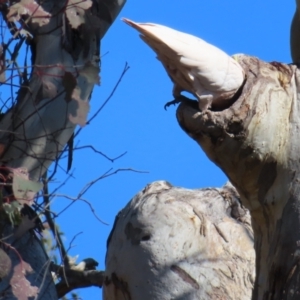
[[173, 243], [65, 56], [255, 142], [157, 250], [162, 252]]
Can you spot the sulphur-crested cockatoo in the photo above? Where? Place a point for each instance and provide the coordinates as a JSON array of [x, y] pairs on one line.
[[193, 65]]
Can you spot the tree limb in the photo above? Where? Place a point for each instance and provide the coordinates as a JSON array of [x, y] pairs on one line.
[[255, 142], [48, 108], [74, 279], [174, 243]]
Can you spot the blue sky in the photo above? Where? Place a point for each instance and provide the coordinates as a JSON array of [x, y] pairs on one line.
[[134, 120]]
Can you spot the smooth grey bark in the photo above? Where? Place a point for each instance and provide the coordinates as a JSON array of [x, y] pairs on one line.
[[174, 243], [34, 131], [255, 142]]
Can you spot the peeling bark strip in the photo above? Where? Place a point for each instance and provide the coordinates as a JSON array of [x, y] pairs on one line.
[[65, 59], [203, 226], [255, 142], [185, 276], [156, 251], [57, 97], [221, 233]]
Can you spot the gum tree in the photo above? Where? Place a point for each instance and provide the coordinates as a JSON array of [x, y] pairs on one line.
[[197, 244], [54, 89]]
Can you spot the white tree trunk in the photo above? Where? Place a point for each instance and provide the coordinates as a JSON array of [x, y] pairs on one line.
[[34, 131], [173, 243], [256, 143], [158, 248]]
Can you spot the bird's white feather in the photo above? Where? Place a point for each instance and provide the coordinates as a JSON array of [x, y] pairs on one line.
[[193, 64]]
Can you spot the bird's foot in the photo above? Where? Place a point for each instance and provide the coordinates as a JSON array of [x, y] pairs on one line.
[[177, 100]]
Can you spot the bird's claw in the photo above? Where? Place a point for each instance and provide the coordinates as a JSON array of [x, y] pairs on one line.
[[177, 100], [173, 102]]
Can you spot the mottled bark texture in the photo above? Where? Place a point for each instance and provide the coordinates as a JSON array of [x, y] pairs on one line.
[[255, 142], [174, 243], [36, 129], [48, 108]]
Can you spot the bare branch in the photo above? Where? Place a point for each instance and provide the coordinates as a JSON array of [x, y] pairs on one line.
[[105, 175], [99, 152], [126, 68]]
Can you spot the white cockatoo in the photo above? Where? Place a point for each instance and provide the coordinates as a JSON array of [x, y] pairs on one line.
[[192, 64]]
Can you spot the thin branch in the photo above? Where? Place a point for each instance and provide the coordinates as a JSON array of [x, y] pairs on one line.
[[88, 186], [73, 199], [99, 152], [105, 175], [73, 239], [63, 183], [51, 223], [60, 154], [126, 68]]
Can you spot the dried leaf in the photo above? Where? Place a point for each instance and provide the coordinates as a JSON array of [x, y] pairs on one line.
[[25, 225], [69, 82], [75, 11], [21, 287], [91, 73], [82, 109], [29, 8], [24, 189]]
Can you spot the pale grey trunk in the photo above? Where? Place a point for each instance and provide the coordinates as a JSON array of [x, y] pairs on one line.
[[256, 143], [173, 243], [34, 132]]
